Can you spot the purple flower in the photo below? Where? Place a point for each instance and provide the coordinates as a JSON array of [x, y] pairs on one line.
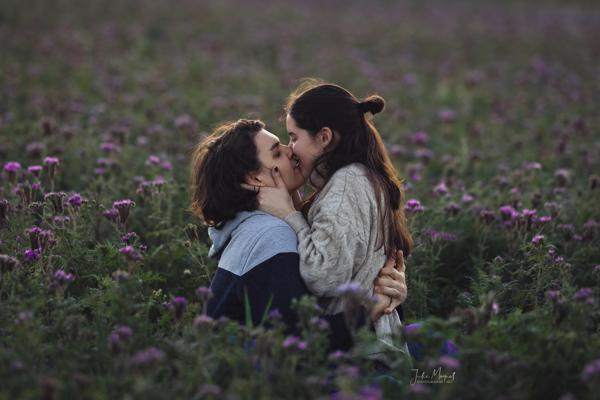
[[467, 198], [445, 236], [130, 237], [537, 239], [290, 341], [533, 166], [203, 319], [61, 277], [109, 147], [275, 314], [350, 288], [51, 161], [35, 170], [447, 115], [414, 206], [151, 355], [178, 305], [12, 167], [397, 150], [23, 317], [424, 154], [441, 189], [123, 206], [553, 295], [508, 212], [166, 165], [32, 255], [336, 355], [448, 362], [118, 337], [74, 200], [420, 137], [452, 208], [204, 293], [111, 214], [563, 176], [591, 370], [370, 393], [184, 121], [153, 160], [412, 329], [597, 268], [130, 253], [583, 294]]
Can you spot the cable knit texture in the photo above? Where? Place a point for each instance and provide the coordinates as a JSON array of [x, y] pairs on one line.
[[340, 242]]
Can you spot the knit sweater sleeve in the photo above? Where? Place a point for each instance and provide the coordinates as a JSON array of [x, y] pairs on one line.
[[335, 242]]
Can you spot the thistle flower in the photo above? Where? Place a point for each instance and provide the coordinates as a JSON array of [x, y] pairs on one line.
[[130, 253], [562, 176], [74, 200], [118, 337], [448, 362], [177, 306], [533, 166], [591, 370], [349, 288], [123, 207], [12, 168], [452, 208], [293, 341], [203, 320], [111, 214], [31, 255], [420, 137], [51, 166], [149, 356], [130, 237], [61, 277], [204, 293], [467, 198], [108, 147], [537, 239], [153, 160], [440, 189], [166, 165], [35, 170], [8, 263], [553, 295], [35, 149], [414, 206], [55, 198], [447, 115], [583, 294]]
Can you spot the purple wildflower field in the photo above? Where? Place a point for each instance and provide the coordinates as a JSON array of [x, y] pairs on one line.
[[491, 118]]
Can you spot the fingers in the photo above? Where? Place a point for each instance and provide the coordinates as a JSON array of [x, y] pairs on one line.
[[391, 292], [400, 260], [387, 281], [277, 178], [391, 272], [249, 187], [390, 262], [377, 310]]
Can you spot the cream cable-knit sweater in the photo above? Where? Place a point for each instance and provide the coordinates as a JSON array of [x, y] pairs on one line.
[[338, 244]]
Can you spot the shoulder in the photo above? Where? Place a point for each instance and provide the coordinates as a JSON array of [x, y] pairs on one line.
[[265, 227], [348, 186]]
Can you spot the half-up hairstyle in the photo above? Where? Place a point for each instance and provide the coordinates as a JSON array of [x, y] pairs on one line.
[[315, 105]]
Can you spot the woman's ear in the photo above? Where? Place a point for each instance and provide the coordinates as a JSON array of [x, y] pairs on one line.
[[253, 179], [325, 137]]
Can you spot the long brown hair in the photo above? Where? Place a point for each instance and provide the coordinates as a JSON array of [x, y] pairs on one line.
[[219, 164], [315, 105]]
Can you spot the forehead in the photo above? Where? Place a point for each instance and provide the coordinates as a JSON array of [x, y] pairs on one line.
[[264, 141]]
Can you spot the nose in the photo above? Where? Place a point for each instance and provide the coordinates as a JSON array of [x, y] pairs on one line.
[[288, 151]]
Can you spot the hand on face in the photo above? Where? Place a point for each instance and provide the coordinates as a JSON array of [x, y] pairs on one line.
[[275, 200]]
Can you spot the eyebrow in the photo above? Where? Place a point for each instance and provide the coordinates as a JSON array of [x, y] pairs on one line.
[[274, 146]]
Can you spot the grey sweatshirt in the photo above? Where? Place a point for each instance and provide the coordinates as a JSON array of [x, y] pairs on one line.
[[338, 244]]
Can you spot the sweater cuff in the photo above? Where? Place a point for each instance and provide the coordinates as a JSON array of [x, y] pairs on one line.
[[296, 220]]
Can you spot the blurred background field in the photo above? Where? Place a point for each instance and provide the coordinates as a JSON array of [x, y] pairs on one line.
[[491, 118]]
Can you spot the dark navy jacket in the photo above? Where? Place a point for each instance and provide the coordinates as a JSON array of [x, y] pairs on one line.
[[258, 261]]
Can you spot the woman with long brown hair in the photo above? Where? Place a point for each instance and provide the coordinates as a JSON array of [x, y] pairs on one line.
[[355, 216]]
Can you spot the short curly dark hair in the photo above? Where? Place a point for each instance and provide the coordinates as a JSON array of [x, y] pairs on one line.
[[220, 162]]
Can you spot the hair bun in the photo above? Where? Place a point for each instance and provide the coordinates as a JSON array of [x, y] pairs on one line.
[[373, 104]]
